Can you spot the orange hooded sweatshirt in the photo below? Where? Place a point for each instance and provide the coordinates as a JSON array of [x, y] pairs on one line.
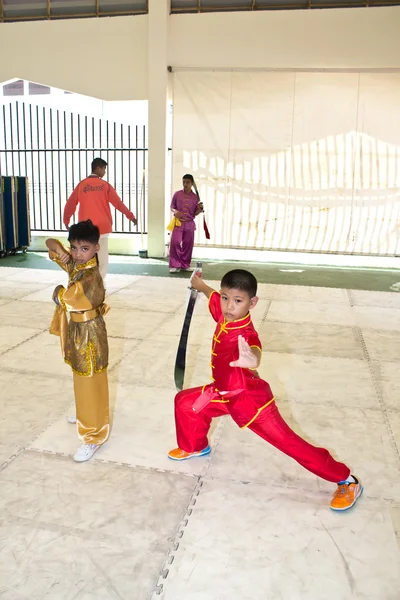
[[94, 197]]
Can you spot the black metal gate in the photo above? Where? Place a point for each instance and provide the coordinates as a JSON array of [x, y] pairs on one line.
[[54, 149]]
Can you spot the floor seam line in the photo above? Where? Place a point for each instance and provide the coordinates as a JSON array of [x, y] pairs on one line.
[[29, 339], [171, 554], [379, 395]]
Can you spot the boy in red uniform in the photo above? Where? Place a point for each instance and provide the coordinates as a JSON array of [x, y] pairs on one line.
[[238, 390]]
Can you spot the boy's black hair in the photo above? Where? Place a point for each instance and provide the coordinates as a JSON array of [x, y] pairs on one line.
[[188, 176], [84, 231], [240, 279], [98, 162]]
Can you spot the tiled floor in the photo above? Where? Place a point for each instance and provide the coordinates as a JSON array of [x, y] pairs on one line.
[[245, 523]]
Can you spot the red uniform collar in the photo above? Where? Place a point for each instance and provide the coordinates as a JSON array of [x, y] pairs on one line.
[[238, 324]]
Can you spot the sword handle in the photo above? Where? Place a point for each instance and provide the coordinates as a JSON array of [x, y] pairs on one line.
[[197, 271]]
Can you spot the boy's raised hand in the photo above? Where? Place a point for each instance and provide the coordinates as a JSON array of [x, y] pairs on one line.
[[64, 256], [247, 358], [55, 294], [196, 282]]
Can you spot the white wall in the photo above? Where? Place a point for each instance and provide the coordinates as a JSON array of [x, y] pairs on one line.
[[339, 38], [105, 58]]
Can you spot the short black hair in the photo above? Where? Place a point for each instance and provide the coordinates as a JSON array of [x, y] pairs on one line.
[[98, 162], [188, 176], [84, 231], [240, 279]]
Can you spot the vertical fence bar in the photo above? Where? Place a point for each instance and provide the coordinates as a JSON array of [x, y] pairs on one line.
[[115, 155], [32, 170], [46, 180], [72, 152], [79, 146], [52, 174], [123, 168], [65, 157], [24, 138], [137, 178], [18, 140], [59, 167], [86, 143], [12, 141], [5, 139], [39, 169], [145, 179], [129, 173]]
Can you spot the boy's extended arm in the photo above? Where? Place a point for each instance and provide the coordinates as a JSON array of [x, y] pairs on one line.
[[199, 285], [70, 207], [116, 201], [55, 246]]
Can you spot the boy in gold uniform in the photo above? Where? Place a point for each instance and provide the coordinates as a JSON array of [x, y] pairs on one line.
[[83, 335]]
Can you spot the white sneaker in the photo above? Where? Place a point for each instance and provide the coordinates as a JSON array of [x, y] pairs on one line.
[[174, 270], [395, 287], [85, 452], [71, 420]]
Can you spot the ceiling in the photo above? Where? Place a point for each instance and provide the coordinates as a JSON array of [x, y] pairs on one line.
[[26, 10]]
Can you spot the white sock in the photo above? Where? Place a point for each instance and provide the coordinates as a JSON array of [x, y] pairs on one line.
[[350, 479]]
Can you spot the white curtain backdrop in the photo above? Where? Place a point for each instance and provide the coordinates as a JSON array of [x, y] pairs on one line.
[[297, 161]]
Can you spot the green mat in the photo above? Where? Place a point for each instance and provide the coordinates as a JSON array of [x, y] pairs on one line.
[[366, 278]]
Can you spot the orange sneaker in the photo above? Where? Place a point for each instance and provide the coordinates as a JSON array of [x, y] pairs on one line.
[[346, 495], [178, 454]]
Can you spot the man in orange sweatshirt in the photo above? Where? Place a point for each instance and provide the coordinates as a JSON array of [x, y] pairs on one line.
[[94, 197]]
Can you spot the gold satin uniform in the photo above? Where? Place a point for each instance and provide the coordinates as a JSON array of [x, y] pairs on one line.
[[78, 320]]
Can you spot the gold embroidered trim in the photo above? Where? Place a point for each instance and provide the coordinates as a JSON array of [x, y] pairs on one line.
[[88, 265], [90, 361], [61, 299], [257, 413]]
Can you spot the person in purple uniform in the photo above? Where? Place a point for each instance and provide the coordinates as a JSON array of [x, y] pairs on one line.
[[185, 206]]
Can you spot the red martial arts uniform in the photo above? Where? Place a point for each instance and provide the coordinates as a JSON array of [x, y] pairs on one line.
[[247, 398]]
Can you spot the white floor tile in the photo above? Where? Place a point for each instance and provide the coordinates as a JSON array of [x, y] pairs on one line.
[[45, 276], [382, 344], [297, 293], [372, 317], [135, 300], [104, 529], [311, 338], [315, 379], [394, 423], [6, 453], [11, 336], [43, 355], [8, 271], [135, 324], [150, 363], [306, 312], [256, 542], [88, 531], [389, 381], [35, 315], [30, 403], [17, 289], [44, 295], [378, 299]]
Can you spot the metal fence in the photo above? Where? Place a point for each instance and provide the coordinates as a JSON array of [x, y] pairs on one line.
[[54, 149]]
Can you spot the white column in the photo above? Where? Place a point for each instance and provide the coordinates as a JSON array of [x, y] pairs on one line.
[[158, 17]]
